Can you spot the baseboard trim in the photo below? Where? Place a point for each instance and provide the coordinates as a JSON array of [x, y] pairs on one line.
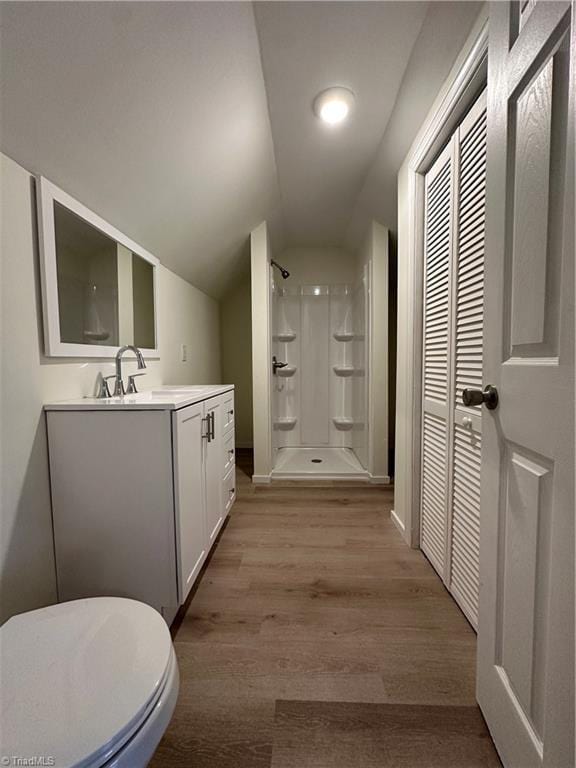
[[261, 479], [380, 479], [397, 522]]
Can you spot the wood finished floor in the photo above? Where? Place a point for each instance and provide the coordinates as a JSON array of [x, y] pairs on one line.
[[316, 639]]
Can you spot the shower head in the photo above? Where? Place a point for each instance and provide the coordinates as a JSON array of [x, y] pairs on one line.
[[283, 272]]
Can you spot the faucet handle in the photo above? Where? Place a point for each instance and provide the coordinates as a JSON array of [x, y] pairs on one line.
[[104, 390], [131, 388]]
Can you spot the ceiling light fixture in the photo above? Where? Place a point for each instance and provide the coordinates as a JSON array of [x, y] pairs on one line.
[[333, 105]]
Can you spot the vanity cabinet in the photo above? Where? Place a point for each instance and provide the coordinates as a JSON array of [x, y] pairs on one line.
[[139, 495]]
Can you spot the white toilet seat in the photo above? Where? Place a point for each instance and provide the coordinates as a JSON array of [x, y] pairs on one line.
[[86, 681], [143, 743]]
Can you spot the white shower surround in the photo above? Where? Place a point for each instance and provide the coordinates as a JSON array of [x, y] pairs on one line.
[[319, 331], [276, 331]]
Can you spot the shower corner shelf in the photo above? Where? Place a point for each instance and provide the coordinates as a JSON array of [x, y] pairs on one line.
[[344, 336], [344, 370], [289, 370], [284, 336], [343, 423], [285, 423]]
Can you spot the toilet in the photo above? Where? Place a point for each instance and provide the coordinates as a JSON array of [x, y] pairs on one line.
[[86, 684]]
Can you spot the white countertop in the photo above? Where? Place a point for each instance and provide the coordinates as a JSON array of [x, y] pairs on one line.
[[160, 398]]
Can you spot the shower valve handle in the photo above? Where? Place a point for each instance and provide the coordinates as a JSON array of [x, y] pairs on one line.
[[276, 364]]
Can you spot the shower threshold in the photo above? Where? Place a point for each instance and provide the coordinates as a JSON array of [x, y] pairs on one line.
[[329, 463]]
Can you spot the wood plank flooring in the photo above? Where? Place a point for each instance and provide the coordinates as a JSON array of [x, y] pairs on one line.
[[313, 629], [335, 734]]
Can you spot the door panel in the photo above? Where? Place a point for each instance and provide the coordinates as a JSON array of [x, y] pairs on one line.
[[453, 323], [469, 282], [530, 216], [525, 580], [189, 485], [526, 631], [468, 323], [433, 524], [465, 544], [438, 257], [214, 465]]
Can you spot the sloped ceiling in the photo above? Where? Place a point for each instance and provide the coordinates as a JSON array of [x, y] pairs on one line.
[[185, 124], [154, 115]]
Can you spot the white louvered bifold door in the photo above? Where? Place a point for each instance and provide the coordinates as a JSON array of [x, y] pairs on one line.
[[467, 360], [452, 358], [438, 257]]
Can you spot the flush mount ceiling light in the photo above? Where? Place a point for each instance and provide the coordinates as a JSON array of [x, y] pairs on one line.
[[333, 105]]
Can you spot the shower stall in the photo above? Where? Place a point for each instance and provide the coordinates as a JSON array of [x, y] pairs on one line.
[[320, 361], [319, 380]]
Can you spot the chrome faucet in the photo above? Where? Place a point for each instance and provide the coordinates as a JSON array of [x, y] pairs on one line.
[[119, 384]]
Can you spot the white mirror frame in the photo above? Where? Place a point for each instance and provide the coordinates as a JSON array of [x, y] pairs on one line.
[[47, 193]]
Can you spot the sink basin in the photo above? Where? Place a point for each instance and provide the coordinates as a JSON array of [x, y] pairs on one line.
[[176, 390], [163, 393]]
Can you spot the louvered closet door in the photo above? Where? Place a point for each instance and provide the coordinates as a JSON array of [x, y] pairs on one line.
[[452, 359], [467, 360], [437, 398]]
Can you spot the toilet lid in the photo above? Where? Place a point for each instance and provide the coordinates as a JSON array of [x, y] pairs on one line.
[[79, 678]]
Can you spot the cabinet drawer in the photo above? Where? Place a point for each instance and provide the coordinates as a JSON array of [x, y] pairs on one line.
[[229, 453], [229, 490], [228, 412]]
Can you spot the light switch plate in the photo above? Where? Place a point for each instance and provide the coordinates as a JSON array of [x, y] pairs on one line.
[[183, 352]]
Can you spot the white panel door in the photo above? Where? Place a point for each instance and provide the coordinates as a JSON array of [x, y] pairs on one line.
[[214, 464], [437, 386], [191, 537], [526, 625]]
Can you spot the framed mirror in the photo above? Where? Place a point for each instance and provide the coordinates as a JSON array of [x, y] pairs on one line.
[[99, 288]]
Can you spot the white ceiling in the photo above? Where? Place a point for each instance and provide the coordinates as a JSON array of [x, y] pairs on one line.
[[185, 124], [307, 47]]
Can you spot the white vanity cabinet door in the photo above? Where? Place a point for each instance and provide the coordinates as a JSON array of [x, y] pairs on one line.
[[191, 535], [213, 410]]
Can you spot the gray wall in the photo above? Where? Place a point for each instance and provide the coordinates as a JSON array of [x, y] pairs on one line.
[[28, 379], [236, 345]]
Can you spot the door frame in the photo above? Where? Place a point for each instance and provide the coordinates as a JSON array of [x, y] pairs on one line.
[[462, 87]]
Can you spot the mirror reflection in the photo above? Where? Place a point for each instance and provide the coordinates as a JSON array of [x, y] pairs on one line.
[[105, 291]]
